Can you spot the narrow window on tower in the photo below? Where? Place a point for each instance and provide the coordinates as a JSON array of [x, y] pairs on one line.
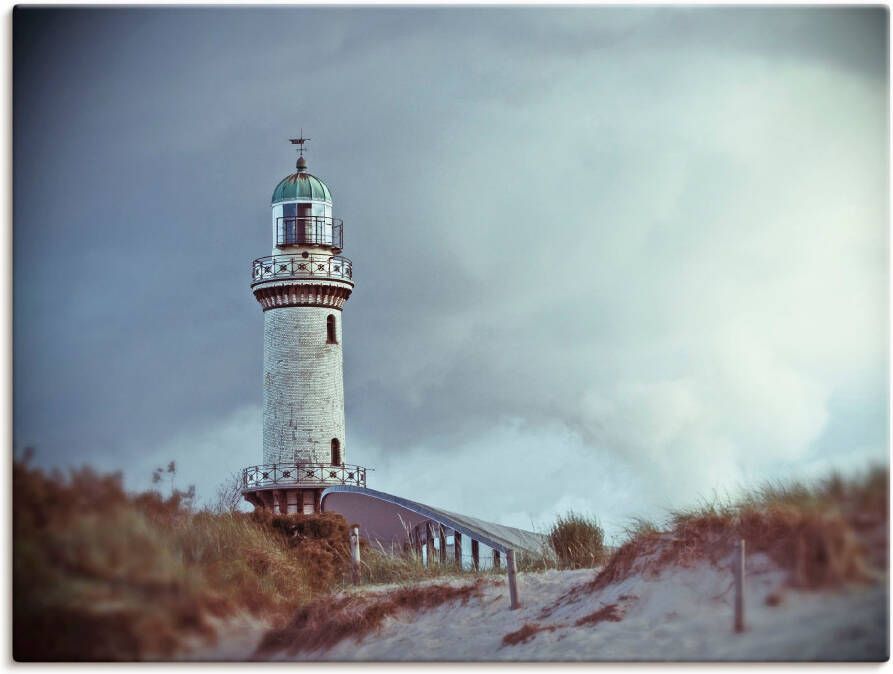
[[331, 334], [336, 452]]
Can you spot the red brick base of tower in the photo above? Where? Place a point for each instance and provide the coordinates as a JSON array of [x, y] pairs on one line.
[[286, 501]]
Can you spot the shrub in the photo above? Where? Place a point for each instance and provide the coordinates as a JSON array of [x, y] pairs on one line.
[[321, 541], [578, 541], [100, 574]]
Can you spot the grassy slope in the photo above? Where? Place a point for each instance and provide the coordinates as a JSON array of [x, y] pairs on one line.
[[103, 575], [822, 535], [100, 574]]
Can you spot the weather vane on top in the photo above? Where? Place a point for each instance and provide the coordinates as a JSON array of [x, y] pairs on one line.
[[300, 142]]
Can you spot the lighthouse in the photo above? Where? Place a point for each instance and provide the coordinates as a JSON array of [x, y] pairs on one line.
[[302, 288]]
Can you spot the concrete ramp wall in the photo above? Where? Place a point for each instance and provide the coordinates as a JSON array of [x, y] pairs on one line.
[[388, 519]]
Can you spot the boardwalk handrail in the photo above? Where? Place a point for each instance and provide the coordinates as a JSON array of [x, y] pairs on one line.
[[475, 530], [447, 519]]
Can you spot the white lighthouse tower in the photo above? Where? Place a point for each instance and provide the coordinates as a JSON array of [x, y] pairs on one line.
[[302, 288]]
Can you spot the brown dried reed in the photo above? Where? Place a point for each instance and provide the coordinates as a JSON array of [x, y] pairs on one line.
[[100, 574], [325, 622], [527, 632], [822, 535]]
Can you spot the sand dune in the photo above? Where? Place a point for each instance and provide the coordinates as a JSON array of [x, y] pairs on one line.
[[680, 614]]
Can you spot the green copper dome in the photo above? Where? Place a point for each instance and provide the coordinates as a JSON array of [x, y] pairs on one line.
[[301, 185]]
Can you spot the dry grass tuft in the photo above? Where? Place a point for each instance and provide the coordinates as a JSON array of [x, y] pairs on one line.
[[527, 632], [610, 613], [379, 566], [322, 624], [578, 541], [775, 598], [99, 574], [824, 536]]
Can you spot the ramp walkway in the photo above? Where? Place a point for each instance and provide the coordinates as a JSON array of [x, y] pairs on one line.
[[396, 521]]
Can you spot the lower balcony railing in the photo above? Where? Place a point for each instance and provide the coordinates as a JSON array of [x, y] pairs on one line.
[[302, 474], [275, 267]]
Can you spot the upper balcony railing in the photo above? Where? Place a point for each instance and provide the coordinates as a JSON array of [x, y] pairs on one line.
[[301, 475], [305, 265], [313, 230]]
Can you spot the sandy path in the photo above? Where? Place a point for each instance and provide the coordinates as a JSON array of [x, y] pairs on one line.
[[686, 614]]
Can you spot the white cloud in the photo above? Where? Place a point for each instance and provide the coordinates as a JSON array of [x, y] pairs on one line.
[[683, 278], [641, 262], [511, 474]]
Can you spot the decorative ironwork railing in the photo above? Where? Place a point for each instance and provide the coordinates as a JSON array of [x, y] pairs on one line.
[[313, 230], [274, 267], [300, 474]]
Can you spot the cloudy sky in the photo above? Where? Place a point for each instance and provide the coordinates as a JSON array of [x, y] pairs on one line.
[[608, 259]]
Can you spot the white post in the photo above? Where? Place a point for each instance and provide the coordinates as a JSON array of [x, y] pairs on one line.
[[739, 585], [513, 579], [355, 553]]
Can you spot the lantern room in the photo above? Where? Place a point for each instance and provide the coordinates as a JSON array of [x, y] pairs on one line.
[[302, 213]]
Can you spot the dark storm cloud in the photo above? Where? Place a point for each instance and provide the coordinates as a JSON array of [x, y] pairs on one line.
[[557, 217]]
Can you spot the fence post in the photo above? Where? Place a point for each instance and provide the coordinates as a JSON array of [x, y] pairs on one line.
[[457, 549], [739, 585], [475, 555], [355, 553], [513, 578]]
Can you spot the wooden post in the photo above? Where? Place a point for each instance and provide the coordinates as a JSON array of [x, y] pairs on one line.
[[429, 544], [739, 585], [355, 553], [277, 502], [496, 564], [457, 548], [442, 535], [475, 555], [254, 500], [513, 578], [267, 499]]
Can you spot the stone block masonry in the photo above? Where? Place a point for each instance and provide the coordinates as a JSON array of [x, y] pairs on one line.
[[303, 386]]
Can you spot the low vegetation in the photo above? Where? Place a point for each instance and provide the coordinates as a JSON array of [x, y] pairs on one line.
[[823, 535], [101, 574], [578, 541], [525, 633], [380, 566], [608, 613], [323, 623]]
